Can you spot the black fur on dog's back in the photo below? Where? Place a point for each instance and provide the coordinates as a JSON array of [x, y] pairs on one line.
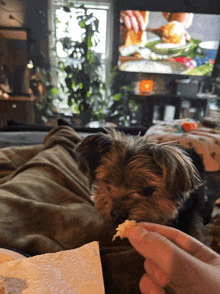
[[197, 209]]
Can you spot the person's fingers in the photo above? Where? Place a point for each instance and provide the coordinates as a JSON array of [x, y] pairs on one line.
[[130, 20], [178, 266], [127, 22], [134, 23], [167, 15], [156, 273], [125, 18], [182, 240], [147, 286], [154, 246], [185, 18], [128, 12], [140, 20]]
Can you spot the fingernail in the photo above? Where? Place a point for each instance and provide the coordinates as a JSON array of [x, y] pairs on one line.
[[137, 234]]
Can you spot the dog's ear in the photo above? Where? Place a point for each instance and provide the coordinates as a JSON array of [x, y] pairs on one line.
[[89, 152], [180, 174]]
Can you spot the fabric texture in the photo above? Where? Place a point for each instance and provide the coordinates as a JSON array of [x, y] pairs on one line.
[[44, 199], [206, 141], [45, 207], [70, 271]]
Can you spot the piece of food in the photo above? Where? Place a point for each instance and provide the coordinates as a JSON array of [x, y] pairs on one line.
[[172, 32], [145, 53], [128, 50], [189, 125], [133, 38], [124, 229], [139, 38], [166, 46], [202, 70], [163, 66]]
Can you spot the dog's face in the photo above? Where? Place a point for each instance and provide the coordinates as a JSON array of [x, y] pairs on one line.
[[136, 179]]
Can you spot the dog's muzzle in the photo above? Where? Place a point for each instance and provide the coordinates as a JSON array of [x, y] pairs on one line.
[[118, 214]]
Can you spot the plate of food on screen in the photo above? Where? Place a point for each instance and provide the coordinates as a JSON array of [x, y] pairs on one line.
[[170, 48]]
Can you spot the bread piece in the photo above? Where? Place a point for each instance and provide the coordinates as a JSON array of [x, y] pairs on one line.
[[124, 229], [139, 38], [133, 38], [173, 32]]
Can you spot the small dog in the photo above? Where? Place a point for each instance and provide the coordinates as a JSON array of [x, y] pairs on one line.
[[139, 180]]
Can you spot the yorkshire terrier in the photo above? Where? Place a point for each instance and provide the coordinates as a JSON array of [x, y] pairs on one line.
[[136, 179]]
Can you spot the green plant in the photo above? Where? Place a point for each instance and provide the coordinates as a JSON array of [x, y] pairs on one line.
[[45, 94], [121, 108], [85, 88], [83, 84]]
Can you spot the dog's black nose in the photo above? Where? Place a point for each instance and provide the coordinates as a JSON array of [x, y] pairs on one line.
[[118, 215]]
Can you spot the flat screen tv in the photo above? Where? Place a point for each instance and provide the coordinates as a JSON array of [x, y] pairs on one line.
[[185, 43]]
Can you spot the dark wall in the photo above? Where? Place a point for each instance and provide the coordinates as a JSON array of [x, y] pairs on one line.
[[36, 17], [199, 6]]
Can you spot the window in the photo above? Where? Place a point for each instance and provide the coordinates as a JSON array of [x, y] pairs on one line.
[[60, 18]]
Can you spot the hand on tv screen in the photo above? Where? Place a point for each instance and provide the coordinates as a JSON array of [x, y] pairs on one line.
[[135, 20]]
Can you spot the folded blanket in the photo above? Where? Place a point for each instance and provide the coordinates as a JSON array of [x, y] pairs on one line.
[[45, 202], [45, 207]]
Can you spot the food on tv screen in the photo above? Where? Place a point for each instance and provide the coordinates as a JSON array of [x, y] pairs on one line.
[[172, 43]]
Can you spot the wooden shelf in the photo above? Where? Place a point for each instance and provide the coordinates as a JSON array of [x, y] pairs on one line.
[[148, 102], [18, 98], [17, 107]]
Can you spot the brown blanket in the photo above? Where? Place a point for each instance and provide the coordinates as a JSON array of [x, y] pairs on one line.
[[45, 206]]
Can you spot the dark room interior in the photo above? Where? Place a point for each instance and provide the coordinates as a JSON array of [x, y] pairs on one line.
[[109, 116]]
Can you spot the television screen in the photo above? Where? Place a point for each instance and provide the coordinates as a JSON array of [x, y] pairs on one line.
[[168, 43]]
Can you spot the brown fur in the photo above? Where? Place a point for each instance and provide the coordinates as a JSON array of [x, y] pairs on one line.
[[136, 179], [213, 229]]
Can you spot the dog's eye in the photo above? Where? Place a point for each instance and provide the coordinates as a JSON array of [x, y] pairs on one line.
[[107, 182], [148, 191]]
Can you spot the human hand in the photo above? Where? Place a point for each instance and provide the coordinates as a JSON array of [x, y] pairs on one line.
[[135, 20], [174, 261], [184, 18]]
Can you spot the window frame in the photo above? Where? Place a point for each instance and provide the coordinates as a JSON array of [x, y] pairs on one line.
[[92, 4]]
